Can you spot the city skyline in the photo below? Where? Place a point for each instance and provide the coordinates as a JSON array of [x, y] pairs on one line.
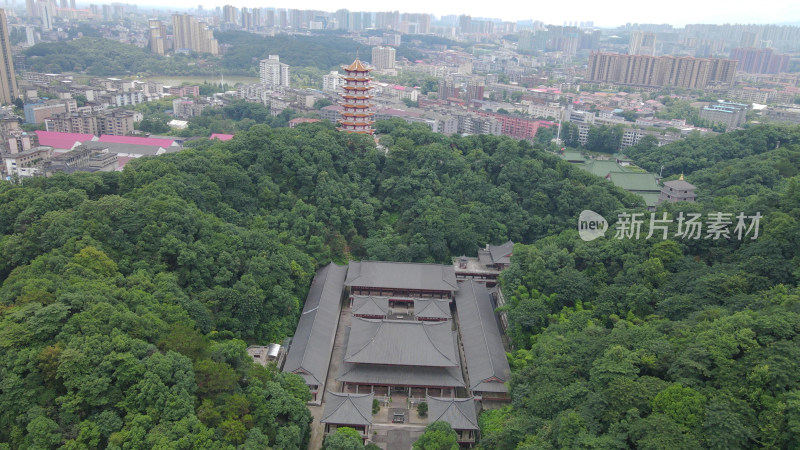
[[601, 14]]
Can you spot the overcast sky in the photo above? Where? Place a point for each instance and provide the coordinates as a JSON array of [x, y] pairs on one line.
[[603, 13]]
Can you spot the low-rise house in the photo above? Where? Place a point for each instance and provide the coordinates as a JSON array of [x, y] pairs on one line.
[[460, 413], [678, 190], [348, 410]]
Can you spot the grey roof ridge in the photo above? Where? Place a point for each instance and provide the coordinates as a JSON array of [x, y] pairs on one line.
[[368, 419], [428, 306], [372, 300], [380, 325], [425, 327], [453, 404], [460, 412], [349, 399], [454, 286], [465, 416], [483, 329], [305, 353], [442, 266]]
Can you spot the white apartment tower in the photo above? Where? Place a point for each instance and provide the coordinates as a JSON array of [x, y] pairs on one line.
[[383, 58], [274, 73]]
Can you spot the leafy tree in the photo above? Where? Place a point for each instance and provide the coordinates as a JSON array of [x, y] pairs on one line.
[[345, 438], [321, 103], [437, 436]]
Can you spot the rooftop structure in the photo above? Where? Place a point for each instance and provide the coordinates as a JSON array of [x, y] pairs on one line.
[[643, 183], [459, 413], [496, 256], [348, 410], [432, 310], [401, 342], [678, 190], [63, 141], [401, 279], [134, 140], [371, 307], [487, 366], [310, 352]]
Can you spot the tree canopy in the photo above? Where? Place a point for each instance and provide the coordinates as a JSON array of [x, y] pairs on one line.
[[128, 299], [653, 343]]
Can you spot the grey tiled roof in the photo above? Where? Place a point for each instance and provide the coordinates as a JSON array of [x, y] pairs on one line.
[[484, 354], [394, 275], [401, 342], [370, 306], [458, 412], [401, 375], [347, 409], [680, 185], [500, 252], [310, 351], [432, 308]]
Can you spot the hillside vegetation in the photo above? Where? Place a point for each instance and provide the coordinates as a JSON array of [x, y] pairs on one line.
[[128, 299], [666, 343]]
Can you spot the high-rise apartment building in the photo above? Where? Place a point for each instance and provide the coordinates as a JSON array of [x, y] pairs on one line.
[[274, 73], [760, 60], [47, 13], [247, 19], [158, 37], [383, 57], [31, 9], [331, 81], [230, 14], [8, 79], [642, 43], [676, 71], [189, 34]]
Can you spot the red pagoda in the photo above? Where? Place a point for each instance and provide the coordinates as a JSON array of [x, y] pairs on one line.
[[356, 107]]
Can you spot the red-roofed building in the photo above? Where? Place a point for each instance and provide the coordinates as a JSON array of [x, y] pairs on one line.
[[134, 140], [222, 137], [63, 141]]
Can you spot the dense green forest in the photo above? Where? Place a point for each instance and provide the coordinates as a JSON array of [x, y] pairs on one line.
[[665, 343], [105, 57], [701, 152], [128, 299], [320, 51]]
